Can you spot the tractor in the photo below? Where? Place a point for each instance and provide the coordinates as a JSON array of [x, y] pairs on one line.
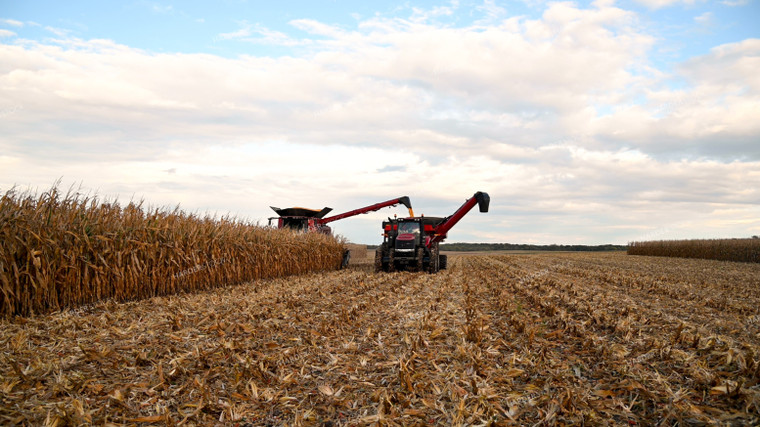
[[411, 243]]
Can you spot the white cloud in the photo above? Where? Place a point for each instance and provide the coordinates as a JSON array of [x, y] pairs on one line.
[[317, 28], [492, 10], [6, 33], [260, 35], [162, 9], [658, 4], [717, 115], [12, 22], [704, 19], [60, 32], [237, 34], [735, 3], [509, 107]]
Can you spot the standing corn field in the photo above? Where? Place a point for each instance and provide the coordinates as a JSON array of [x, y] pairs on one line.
[[742, 250], [61, 251]]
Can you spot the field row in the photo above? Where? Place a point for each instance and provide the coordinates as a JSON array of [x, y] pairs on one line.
[[521, 339]]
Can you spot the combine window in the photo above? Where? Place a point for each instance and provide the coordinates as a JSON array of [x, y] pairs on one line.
[[408, 228], [298, 224]]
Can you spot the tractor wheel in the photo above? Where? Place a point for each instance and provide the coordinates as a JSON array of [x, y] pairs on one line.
[[378, 260], [346, 258], [434, 265], [443, 260], [419, 254], [391, 261]]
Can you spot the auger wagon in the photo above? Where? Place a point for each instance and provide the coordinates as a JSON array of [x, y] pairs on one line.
[[412, 243]]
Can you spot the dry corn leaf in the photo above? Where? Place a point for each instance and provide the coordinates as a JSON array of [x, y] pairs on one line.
[[514, 373], [149, 419]]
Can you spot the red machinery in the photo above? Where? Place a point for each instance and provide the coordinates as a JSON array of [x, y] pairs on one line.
[[304, 219], [412, 243], [312, 220]]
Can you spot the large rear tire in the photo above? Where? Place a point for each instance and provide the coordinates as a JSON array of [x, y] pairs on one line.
[[435, 262], [418, 257], [443, 261], [379, 259], [391, 261], [346, 259]]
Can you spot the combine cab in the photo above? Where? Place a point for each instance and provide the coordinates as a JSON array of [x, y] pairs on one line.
[[412, 243]]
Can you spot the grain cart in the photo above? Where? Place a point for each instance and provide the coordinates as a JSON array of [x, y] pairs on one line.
[[412, 243]]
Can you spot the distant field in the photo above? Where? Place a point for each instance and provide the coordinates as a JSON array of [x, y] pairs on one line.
[[740, 250], [549, 338]]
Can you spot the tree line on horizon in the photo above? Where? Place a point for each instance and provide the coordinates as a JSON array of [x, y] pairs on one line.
[[472, 247], [528, 247]]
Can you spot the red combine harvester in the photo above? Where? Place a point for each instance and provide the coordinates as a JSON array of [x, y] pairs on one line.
[[412, 243], [312, 220]]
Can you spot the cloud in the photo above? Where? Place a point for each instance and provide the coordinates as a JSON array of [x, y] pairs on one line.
[[735, 3], [259, 34], [161, 8], [704, 19], [492, 11], [12, 22], [6, 33], [317, 28], [659, 4], [60, 32], [562, 118], [717, 116]]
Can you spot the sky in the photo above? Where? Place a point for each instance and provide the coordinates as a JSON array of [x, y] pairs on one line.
[[586, 122]]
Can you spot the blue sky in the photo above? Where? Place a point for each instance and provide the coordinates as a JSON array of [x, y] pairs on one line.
[[683, 30], [592, 122]]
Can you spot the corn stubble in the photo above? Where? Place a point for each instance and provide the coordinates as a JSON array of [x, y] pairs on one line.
[[741, 250], [63, 251], [555, 339]]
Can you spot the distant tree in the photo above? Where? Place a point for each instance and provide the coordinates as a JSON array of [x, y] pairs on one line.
[[526, 247], [756, 237]]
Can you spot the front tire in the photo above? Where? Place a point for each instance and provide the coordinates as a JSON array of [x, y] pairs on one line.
[[434, 265], [419, 254], [346, 258]]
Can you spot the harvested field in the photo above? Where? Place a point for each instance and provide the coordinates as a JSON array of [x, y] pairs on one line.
[[549, 339]]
